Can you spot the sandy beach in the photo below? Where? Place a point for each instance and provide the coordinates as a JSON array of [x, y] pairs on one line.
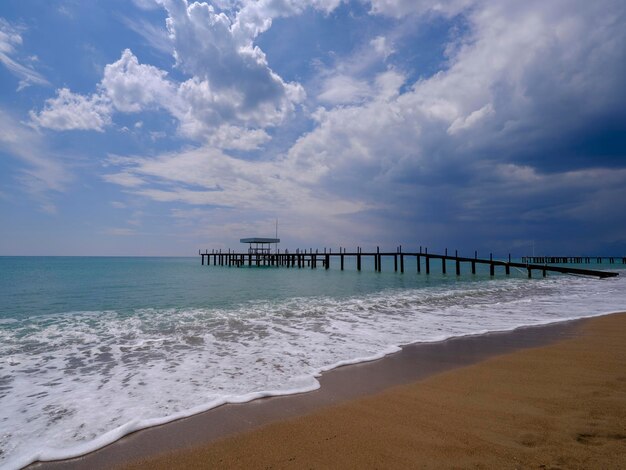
[[556, 406]]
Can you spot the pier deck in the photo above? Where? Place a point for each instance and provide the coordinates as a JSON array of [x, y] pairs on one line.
[[311, 259]]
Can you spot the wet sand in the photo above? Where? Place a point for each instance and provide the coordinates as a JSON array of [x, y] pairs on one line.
[[544, 397]]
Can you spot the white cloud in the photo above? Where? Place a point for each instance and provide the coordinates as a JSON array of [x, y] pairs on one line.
[[400, 8], [231, 91], [130, 87], [227, 68], [237, 138], [70, 111], [155, 36], [499, 80], [220, 180], [125, 179], [121, 231], [381, 46], [146, 4], [466, 122], [10, 39], [236, 191], [133, 87], [43, 172], [357, 77], [342, 89], [127, 86], [255, 16]]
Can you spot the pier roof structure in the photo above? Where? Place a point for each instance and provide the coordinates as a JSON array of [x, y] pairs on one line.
[[259, 240]]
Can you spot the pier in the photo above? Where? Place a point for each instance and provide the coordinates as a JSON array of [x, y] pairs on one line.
[[261, 255]]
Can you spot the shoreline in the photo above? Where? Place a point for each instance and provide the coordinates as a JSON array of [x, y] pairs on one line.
[[413, 362], [560, 405]]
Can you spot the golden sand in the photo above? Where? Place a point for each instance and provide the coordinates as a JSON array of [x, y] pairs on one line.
[[559, 406]]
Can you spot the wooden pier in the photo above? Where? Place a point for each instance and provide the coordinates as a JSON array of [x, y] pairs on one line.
[[423, 260]]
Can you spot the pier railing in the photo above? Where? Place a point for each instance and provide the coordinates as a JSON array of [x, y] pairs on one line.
[[311, 259]]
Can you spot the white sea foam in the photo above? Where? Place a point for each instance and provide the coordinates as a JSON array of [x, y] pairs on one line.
[[74, 382]]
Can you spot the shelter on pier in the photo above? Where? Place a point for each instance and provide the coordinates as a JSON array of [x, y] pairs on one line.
[[260, 246]]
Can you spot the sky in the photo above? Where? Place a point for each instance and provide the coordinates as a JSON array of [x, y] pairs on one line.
[[160, 127]]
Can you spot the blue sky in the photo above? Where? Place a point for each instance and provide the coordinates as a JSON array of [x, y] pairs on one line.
[[157, 127]]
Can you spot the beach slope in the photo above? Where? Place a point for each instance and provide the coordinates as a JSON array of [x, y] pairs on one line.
[[556, 406]]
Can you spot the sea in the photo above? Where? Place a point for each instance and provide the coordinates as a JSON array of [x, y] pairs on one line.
[[93, 348]]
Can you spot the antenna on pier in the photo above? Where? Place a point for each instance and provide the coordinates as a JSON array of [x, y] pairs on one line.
[[276, 244]]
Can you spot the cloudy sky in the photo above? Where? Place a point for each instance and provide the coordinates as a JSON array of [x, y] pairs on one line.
[[152, 127]]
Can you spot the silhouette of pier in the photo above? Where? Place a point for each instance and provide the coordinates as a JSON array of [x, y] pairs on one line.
[[423, 261]]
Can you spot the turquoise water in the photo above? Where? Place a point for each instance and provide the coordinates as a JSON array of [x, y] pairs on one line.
[[39, 286], [94, 348]]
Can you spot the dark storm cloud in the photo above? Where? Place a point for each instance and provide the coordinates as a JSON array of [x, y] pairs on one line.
[[521, 136]]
